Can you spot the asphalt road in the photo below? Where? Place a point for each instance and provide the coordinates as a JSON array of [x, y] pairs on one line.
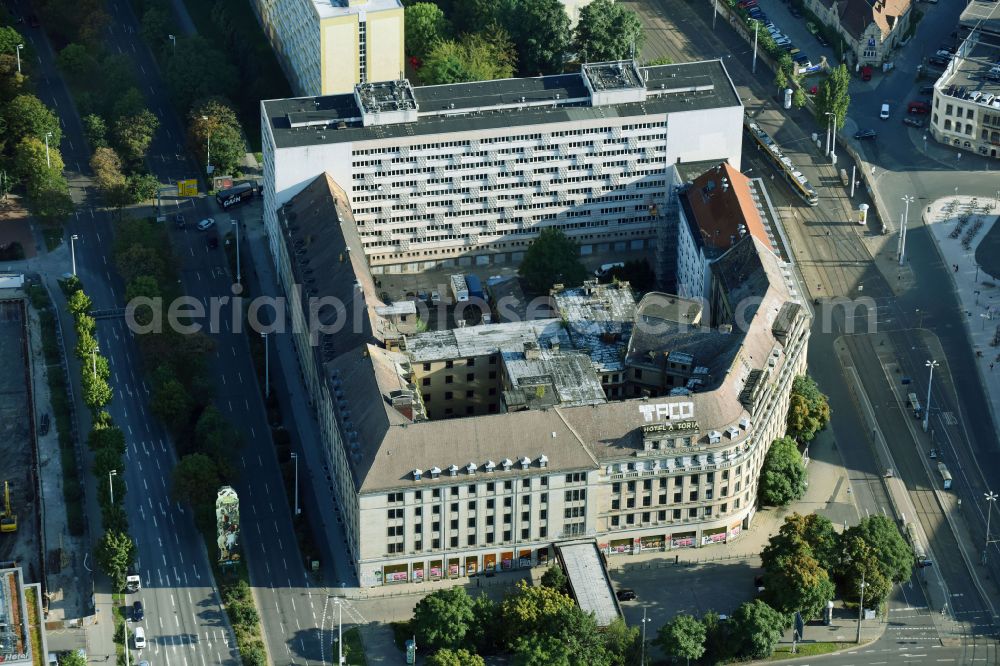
[[834, 262], [183, 617]]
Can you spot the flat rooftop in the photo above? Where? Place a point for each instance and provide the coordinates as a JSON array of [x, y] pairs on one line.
[[335, 8], [499, 105], [976, 76]]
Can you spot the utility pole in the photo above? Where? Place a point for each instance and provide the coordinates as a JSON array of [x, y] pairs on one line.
[[930, 380], [861, 606]]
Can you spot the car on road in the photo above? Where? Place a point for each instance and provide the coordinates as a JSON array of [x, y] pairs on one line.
[[179, 220], [626, 595], [865, 134], [884, 113], [139, 638], [137, 612], [43, 425], [913, 122], [206, 224]]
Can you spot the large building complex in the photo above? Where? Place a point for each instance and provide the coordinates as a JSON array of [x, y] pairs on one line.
[[966, 105], [473, 171], [326, 47], [639, 423]]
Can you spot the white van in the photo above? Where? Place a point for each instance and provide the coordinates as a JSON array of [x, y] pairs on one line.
[[884, 115]]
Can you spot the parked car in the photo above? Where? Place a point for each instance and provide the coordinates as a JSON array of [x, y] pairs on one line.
[[626, 595], [206, 224], [138, 614], [884, 113], [913, 122], [866, 134]]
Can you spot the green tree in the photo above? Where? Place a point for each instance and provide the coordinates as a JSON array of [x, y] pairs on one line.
[[540, 30], [799, 98], [782, 476], [196, 483], [474, 58], [888, 545], [553, 257], [682, 638], [833, 97], [814, 531], [808, 409], [76, 62], [115, 554], [133, 134], [96, 131], [756, 629], [860, 564], [72, 658], [213, 117], [425, 26], [443, 618], [797, 582], [26, 116], [623, 643], [460, 657], [79, 303], [555, 578], [196, 70], [170, 401], [142, 187], [608, 31], [96, 390]]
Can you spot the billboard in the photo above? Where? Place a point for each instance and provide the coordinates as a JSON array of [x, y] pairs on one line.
[[227, 524], [187, 188]]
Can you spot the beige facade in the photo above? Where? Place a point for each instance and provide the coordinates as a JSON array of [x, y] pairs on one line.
[[328, 47]]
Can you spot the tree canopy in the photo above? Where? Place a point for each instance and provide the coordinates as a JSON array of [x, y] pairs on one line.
[[808, 409], [756, 629], [683, 637], [607, 30], [833, 97], [782, 476], [553, 257], [473, 58], [442, 618], [425, 26]]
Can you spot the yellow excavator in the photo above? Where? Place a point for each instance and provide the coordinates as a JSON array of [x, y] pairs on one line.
[[8, 521]]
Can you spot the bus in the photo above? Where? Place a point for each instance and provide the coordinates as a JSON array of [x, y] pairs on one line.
[[235, 195], [945, 475], [798, 182]]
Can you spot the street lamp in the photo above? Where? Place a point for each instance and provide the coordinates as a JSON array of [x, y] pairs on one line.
[[991, 498], [902, 232], [208, 151], [642, 660], [111, 486], [930, 380], [236, 230], [72, 251], [17, 50], [861, 606], [173, 40], [295, 457], [48, 162], [267, 367]]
